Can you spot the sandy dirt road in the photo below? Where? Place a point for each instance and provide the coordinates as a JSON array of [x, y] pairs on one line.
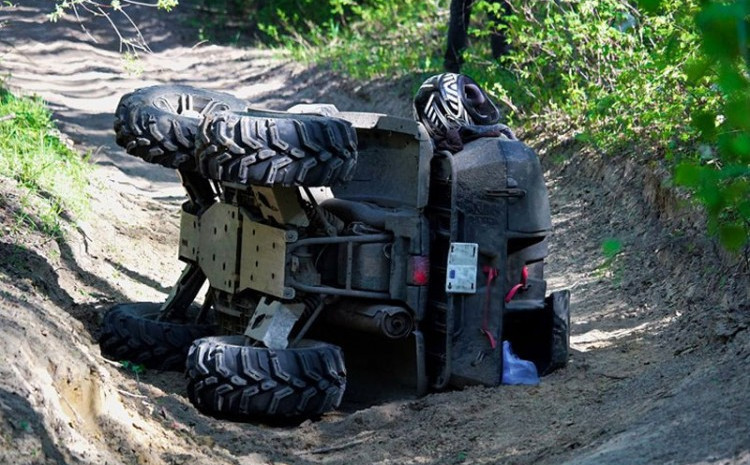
[[661, 334]]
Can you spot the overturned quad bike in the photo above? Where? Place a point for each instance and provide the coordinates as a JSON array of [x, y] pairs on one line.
[[323, 232]]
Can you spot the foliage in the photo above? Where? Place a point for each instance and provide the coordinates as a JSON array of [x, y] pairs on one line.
[[362, 37], [719, 173], [599, 66], [86, 9], [249, 14], [371, 38], [609, 73], [611, 248], [672, 82], [32, 153], [135, 368]]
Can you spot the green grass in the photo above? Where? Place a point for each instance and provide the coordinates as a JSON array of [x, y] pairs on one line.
[[54, 176], [374, 38]]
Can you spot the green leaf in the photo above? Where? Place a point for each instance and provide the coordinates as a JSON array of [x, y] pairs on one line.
[[134, 367], [687, 174], [741, 146], [696, 69], [737, 191], [711, 195], [719, 24], [138, 368], [744, 209], [166, 4], [731, 81], [737, 114], [611, 247], [650, 6], [733, 236], [705, 122]]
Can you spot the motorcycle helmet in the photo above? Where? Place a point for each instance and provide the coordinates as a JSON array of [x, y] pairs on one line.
[[449, 101]]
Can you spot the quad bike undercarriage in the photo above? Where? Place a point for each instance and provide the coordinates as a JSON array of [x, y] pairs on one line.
[[412, 261]]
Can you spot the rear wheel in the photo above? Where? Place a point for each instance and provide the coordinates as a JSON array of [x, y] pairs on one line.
[[158, 124], [274, 148], [228, 379], [132, 332]]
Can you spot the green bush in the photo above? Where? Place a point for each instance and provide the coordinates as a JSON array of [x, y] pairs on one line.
[[670, 85], [373, 38], [600, 66], [279, 22], [719, 172]]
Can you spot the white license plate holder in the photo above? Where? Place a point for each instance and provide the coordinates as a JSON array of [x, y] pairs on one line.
[[461, 276]]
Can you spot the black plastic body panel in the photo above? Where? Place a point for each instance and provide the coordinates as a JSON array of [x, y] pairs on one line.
[[502, 205], [393, 166]]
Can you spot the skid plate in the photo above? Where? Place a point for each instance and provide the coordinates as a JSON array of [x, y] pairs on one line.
[[218, 239], [263, 259]]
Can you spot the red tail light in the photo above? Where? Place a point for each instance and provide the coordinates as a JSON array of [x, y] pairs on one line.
[[419, 270]]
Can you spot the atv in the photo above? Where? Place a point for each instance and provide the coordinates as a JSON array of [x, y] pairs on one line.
[[321, 232]]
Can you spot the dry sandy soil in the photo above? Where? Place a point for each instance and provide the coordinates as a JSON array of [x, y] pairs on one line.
[[660, 367]]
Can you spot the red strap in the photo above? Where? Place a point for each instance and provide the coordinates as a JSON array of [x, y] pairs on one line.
[[491, 275], [513, 291], [520, 286]]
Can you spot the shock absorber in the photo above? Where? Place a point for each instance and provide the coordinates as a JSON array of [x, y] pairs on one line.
[[320, 217]]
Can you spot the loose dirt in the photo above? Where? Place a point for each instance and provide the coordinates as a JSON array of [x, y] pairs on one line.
[[660, 370]]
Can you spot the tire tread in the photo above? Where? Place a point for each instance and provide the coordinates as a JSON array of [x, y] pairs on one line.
[[283, 149], [150, 127], [130, 333], [253, 383]]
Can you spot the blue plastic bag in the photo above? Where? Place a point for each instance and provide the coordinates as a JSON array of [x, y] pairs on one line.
[[516, 370]]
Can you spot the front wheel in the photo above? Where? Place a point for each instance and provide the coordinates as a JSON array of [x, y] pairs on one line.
[[158, 123], [228, 379], [132, 332]]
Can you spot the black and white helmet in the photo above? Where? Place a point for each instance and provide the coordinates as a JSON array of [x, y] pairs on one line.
[[449, 101]]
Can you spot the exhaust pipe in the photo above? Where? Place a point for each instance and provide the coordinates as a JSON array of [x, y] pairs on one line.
[[390, 321]]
